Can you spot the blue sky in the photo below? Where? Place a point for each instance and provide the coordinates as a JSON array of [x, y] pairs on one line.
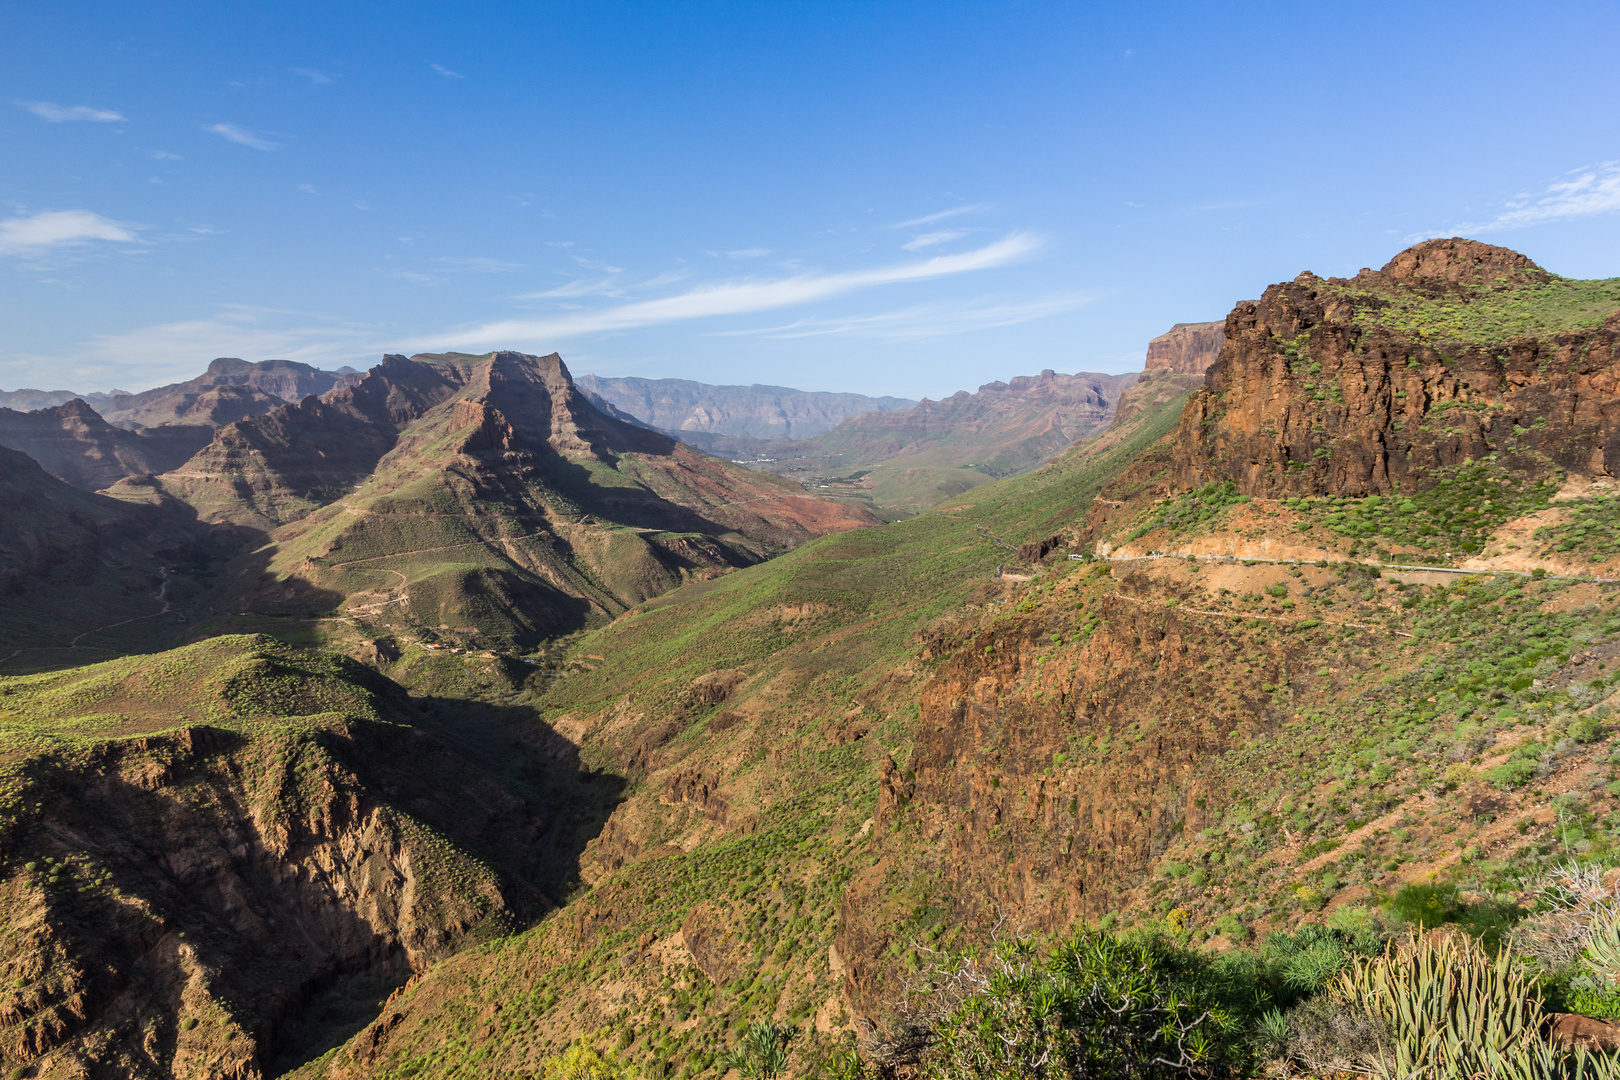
[[884, 197]]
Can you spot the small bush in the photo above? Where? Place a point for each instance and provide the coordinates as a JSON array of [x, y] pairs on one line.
[[1585, 729], [1512, 775]]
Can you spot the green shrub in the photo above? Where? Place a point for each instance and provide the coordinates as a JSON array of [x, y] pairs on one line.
[[1097, 1005], [1585, 729], [1511, 775], [582, 1062], [1425, 905]]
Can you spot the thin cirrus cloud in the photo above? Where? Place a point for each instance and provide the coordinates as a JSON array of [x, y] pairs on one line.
[[929, 239], [577, 288], [319, 78], [1585, 192], [736, 297], [242, 135], [62, 114], [922, 322], [929, 219], [50, 230], [446, 73]]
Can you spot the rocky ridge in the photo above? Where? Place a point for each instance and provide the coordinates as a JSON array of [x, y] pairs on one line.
[[1186, 348], [483, 495], [914, 458]]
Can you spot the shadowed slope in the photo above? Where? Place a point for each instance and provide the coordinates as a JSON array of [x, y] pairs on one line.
[[76, 445]]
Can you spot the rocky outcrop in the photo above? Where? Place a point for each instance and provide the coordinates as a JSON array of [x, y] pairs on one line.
[[1186, 348], [263, 471], [1361, 386]]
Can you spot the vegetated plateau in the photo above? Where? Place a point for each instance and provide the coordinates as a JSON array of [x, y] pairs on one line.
[[1269, 730]]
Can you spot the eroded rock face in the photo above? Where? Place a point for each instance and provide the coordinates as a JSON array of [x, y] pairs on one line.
[[980, 823], [172, 901], [1359, 386], [1186, 348]]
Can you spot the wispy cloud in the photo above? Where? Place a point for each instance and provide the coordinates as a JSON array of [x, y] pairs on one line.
[[61, 114], [53, 229], [242, 135], [923, 321], [161, 155], [748, 253], [577, 288], [970, 208], [735, 297], [476, 265], [599, 267], [929, 239], [1584, 192], [307, 189], [445, 72], [319, 78]]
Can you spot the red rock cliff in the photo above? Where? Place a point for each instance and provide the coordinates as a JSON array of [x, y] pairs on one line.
[[1455, 350], [1187, 348]]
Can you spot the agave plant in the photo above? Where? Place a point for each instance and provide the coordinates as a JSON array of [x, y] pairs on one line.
[[1451, 1011], [1602, 952], [763, 1051]]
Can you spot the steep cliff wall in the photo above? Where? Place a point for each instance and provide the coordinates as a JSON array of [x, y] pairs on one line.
[[1455, 351], [1186, 348]]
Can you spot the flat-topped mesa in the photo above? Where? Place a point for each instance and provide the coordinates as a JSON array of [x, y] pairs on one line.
[[1454, 352], [1186, 348], [229, 390]]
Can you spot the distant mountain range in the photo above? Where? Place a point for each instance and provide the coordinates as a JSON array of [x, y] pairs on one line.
[[692, 409], [909, 459]]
